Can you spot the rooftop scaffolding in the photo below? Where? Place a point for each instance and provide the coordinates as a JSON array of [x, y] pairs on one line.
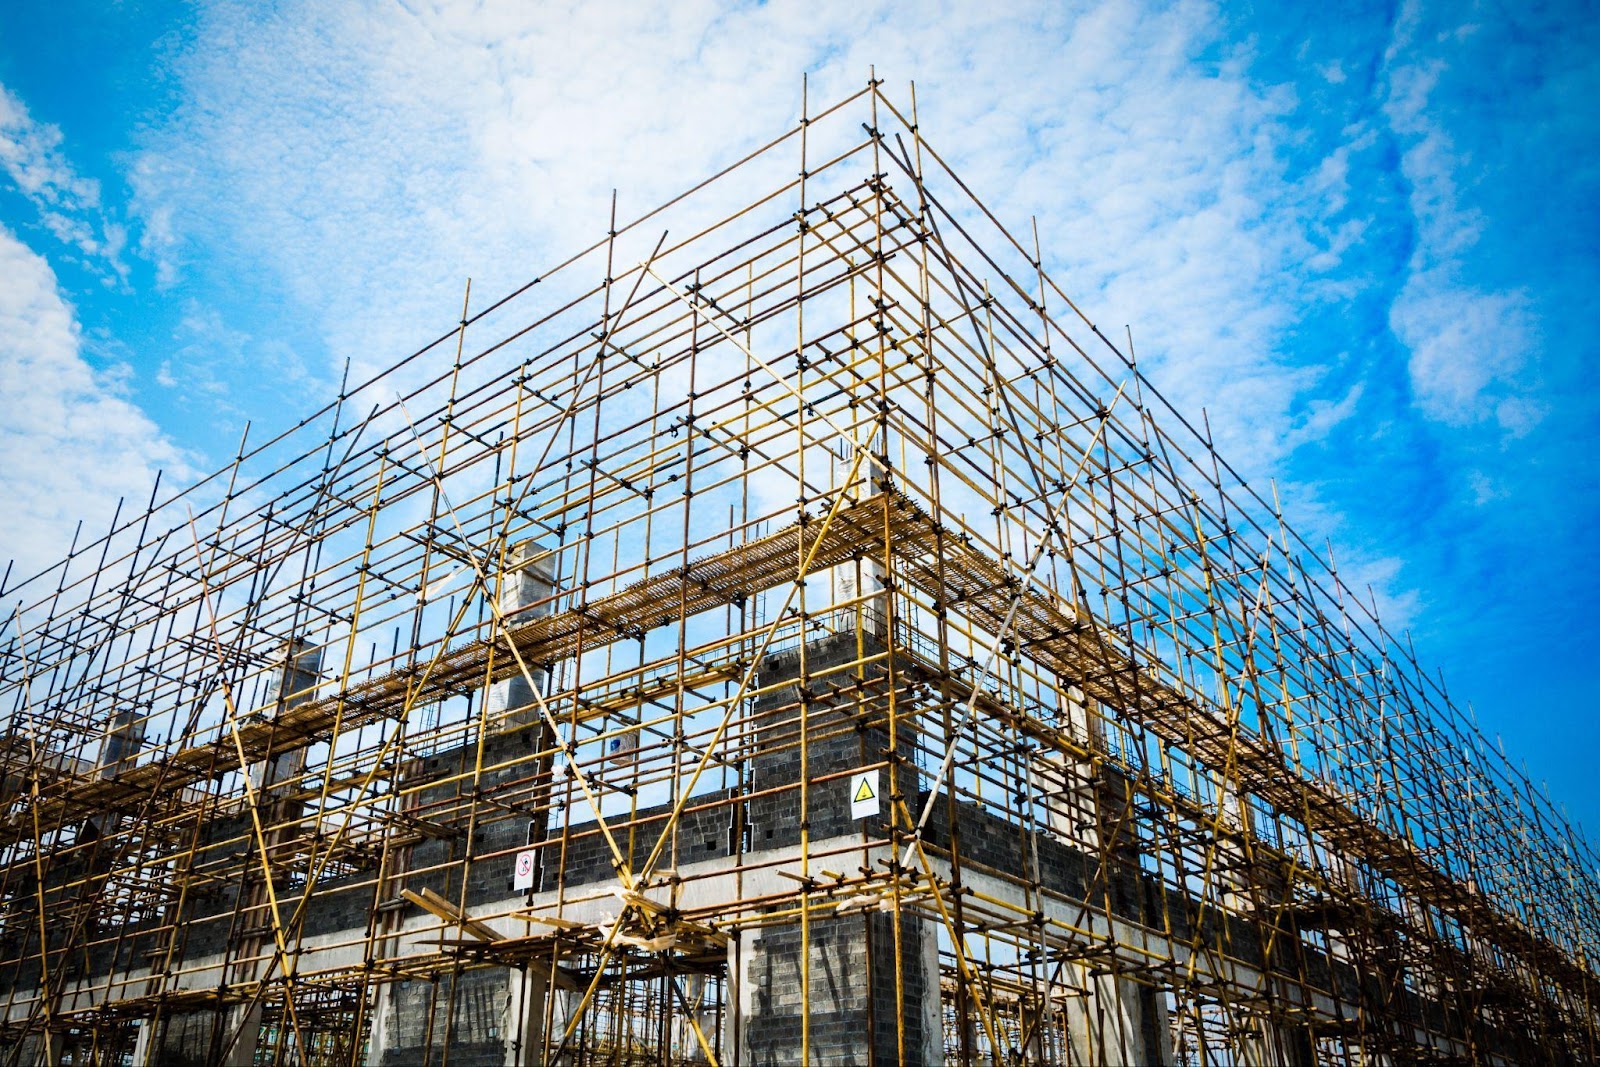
[[511, 708]]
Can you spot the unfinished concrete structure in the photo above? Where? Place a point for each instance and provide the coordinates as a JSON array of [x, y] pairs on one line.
[[790, 634]]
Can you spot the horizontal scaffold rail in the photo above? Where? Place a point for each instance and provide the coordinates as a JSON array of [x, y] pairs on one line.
[[1066, 641], [712, 581], [1094, 659]]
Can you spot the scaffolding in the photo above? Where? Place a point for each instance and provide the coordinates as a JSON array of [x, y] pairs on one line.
[[792, 634]]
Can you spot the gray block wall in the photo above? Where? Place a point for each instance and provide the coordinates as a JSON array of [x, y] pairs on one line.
[[458, 1019], [853, 996], [842, 735]]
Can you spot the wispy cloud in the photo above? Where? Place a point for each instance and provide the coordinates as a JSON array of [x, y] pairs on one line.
[[67, 203], [363, 160], [1333, 233], [71, 444], [1469, 349], [370, 158], [210, 363], [1470, 345]]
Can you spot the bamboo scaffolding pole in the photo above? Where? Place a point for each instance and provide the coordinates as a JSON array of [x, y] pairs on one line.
[[1145, 752]]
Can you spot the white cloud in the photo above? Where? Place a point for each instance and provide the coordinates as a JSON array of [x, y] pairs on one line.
[[70, 444], [372, 157], [1471, 347], [29, 152], [68, 204], [1468, 350], [1376, 581], [158, 240]]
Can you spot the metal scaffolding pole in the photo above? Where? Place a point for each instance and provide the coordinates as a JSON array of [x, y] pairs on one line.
[[792, 633]]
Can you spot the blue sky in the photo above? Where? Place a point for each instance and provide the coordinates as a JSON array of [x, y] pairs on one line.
[[1363, 237]]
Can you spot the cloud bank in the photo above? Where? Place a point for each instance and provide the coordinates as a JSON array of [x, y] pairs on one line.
[[71, 445]]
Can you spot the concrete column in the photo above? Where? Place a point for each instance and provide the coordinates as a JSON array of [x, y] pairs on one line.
[[858, 577], [499, 1015], [1119, 1022], [1116, 1020], [684, 1038], [1271, 1044], [297, 683], [525, 1016], [144, 1042], [47, 1050], [1066, 785], [525, 591], [533, 1010], [853, 1002], [247, 1020], [1036, 1023], [378, 1025], [124, 738]]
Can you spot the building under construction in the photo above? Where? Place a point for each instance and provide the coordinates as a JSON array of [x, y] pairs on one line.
[[788, 631]]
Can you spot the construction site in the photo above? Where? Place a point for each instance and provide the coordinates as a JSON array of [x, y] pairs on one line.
[[788, 631]]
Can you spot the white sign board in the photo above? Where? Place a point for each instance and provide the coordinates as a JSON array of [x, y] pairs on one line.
[[622, 746], [864, 790], [523, 876]]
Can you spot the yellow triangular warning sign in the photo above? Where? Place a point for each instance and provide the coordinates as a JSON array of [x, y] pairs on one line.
[[863, 791]]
